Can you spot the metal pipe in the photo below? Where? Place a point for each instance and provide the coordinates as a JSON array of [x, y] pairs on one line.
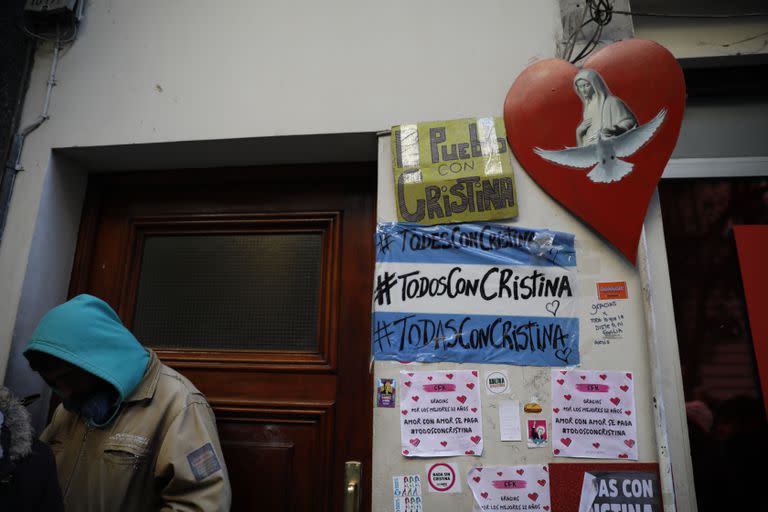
[[13, 167]]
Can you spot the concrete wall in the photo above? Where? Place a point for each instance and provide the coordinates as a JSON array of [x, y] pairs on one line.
[[144, 72]]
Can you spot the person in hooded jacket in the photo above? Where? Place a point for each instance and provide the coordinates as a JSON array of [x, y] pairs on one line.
[[131, 434], [27, 470]]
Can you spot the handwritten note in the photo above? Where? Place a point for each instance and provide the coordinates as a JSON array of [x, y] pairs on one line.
[[607, 320]]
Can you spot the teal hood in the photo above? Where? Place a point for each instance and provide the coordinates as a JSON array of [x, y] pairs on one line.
[[87, 333]]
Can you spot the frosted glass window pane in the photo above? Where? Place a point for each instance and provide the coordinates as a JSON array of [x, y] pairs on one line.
[[255, 292]]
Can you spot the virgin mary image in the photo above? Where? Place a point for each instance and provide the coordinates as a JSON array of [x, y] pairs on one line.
[[603, 114], [608, 132]]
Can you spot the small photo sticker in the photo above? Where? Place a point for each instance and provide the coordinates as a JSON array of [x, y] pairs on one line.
[[612, 291], [385, 393], [537, 433]]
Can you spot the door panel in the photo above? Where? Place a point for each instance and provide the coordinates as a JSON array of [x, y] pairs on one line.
[[254, 283]]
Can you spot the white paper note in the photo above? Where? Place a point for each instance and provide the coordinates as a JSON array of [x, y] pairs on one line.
[[509, 420]]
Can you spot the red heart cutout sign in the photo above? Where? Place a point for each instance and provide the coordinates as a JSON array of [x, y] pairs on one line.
[[620, 116]]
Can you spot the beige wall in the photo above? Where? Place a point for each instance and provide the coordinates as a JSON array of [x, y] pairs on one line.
[[154, 72]]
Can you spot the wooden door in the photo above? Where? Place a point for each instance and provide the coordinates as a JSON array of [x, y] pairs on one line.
[[276, 335]]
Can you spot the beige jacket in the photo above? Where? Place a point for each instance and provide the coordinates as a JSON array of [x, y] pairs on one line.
[[161, 452]]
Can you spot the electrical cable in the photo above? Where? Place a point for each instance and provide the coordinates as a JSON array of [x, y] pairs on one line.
[[601, 14]]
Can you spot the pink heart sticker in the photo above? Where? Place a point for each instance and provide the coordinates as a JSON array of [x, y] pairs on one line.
[[628, 412], [566, 441], [583, 377], [560, 381], [461, 398], [444, 443], [407, 383], [629, 376], [415, 398], [404, 411], [567, 397], [415, 442], [499, 473], [533, 496], [475, 439], [406, 452], [556, 451], [629, 442], [474, 373], [484, 494], [596, 445], [470, 385], [542, 482], [473, 409], [449, 375], [624, 388], [623, 456], [615, 400], [476, 478], [410, 374], [603, 376], [470, 452], [556, 410], [520, 472]]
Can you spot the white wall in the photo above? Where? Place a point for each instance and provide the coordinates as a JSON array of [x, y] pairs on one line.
[[189, 70]]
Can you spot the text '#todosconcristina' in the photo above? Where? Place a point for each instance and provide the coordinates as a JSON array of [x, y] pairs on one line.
[[496, 283]]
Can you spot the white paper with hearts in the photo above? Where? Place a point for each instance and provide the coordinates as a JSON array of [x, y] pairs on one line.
[[510, 488], [593, 414], [440, 413]]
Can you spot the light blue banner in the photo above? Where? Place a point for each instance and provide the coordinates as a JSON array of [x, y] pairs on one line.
[[478, 243], [432, 338]]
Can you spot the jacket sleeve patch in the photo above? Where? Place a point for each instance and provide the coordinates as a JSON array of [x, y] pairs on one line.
[[203, 462]]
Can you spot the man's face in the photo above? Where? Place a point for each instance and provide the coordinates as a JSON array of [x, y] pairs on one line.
[[71, 382], [585, 89]]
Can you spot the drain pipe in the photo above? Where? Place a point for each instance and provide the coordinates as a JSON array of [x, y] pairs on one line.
[[13, 166]]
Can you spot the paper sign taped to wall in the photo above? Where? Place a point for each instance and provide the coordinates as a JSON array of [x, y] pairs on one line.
[[482, 293], [453, 171], [593, 414], [605, 491], [510, 488], [440, 413]]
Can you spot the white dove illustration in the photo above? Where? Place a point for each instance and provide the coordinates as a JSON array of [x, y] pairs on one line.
[[604, 154]]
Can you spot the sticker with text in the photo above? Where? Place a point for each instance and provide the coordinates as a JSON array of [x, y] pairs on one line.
[[443, 478], [612, 291]]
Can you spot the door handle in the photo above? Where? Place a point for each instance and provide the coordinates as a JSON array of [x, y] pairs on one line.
[[353, 473]]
